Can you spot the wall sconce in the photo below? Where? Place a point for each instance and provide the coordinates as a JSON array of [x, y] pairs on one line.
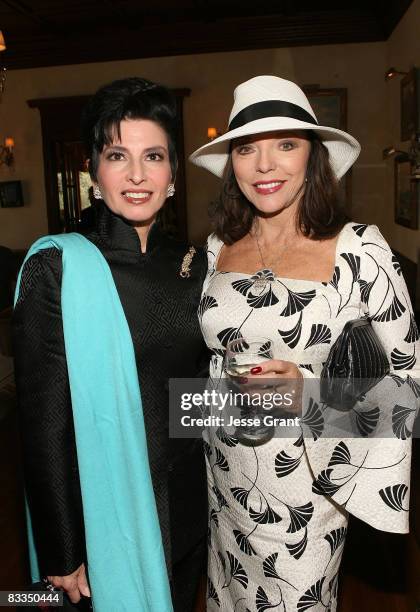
[[392, 72], [413, 155], [6, 152], [390, 151], [213, 133]]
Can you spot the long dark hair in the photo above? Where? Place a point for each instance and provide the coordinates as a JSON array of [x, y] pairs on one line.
[[319, 214]]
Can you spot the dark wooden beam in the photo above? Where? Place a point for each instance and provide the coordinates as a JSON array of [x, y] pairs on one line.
[[192, 37], [129, 30], [23, 9]]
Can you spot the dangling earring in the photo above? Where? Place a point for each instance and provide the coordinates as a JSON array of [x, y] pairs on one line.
[[171, 190], [97, 193], [306, 179]]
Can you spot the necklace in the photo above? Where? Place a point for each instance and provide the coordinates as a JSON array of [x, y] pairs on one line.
[[265, 266]]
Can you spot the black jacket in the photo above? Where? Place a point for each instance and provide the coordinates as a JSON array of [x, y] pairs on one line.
[[7, 275], [161, 311]]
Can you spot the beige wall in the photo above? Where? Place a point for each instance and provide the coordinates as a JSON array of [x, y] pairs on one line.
[[212, 78], [403, 52]]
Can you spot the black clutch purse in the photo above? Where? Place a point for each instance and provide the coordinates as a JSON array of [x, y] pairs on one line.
[[356, 363]]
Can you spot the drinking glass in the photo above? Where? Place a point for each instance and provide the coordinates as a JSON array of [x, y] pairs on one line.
[[243, 354]]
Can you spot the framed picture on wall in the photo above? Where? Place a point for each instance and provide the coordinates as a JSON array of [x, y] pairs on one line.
[[410, 104], [11, 194], [330, 107], [407, 194]]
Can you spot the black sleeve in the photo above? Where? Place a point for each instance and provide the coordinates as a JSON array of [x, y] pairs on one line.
[[203, 364], [45, 417]]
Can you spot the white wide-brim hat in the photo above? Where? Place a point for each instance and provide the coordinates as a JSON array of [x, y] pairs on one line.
[[268, 104]]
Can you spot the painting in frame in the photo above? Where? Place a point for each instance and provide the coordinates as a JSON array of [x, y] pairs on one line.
[[11, 194], [410, 104], [407, 194], [330, 107]]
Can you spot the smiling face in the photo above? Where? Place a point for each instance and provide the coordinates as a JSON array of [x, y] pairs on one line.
[[270, 169], [134, 172]]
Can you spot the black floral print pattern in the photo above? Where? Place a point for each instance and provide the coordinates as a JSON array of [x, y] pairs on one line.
[[275, 537]]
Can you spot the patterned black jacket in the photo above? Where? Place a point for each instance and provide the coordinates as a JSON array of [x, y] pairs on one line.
[[161, 311]]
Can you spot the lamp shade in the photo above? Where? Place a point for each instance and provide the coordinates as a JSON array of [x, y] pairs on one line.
[[2, 43]]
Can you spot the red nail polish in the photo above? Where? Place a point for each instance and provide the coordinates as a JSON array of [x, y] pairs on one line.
[[256, 370], [242, 380]]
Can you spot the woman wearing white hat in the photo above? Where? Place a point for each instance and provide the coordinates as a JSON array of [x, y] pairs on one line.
[[285, 265]]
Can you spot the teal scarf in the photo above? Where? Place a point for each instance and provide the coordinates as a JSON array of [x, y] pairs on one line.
[[125, 556]]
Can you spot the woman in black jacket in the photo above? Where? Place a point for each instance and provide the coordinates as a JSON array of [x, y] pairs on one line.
[[129, 130]]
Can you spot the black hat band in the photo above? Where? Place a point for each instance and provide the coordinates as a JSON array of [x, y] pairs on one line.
[[271, 108]]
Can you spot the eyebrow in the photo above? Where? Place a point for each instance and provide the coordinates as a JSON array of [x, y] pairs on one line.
[[116, 147], [242, 140]]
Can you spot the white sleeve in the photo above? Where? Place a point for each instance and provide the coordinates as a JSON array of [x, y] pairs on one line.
[[368, 474], [385, 296]]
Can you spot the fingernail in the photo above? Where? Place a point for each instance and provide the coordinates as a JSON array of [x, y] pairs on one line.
[[242, 380], [256, 370]]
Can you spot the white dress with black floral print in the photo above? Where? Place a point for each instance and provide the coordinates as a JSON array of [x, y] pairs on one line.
[[278, 511]]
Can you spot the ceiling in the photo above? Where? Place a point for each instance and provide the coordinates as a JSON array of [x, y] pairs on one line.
[[55, 32]]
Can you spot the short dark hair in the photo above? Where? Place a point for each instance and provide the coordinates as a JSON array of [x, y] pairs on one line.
[[319, 215], [131, 98]]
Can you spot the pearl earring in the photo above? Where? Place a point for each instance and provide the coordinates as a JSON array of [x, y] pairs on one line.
[[97, 193], [171, 190]]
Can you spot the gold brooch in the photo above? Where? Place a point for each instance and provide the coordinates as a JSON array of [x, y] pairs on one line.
[[186, 263]]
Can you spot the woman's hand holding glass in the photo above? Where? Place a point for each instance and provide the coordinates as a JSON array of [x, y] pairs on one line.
[[269, 386], [250, 364], [285, 378]]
